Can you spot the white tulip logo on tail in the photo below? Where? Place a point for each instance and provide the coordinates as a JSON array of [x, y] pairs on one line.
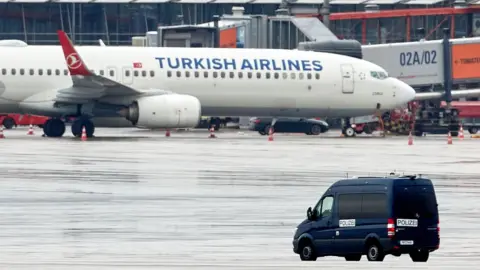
[[73, 61]]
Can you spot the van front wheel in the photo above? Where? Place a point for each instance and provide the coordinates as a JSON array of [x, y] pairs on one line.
[[375, 252], [307, 252], [419, 256]]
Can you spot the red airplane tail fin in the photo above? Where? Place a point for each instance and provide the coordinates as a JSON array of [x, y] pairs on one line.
[[75, 64]]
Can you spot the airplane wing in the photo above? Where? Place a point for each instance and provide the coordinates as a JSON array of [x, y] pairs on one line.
[[87, 85], [455, 94]]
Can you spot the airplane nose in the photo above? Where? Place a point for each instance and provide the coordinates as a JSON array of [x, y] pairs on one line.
[[405, 92]]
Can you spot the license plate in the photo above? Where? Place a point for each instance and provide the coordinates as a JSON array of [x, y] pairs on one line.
[[407, 222], [406, 242]]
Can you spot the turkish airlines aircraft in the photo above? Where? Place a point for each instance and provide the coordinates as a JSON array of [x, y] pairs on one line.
[[172, 87]]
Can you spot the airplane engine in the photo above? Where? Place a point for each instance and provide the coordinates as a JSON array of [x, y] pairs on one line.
[[165, 111]]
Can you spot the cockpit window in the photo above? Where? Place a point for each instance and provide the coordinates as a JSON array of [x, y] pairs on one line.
[[379, 75]]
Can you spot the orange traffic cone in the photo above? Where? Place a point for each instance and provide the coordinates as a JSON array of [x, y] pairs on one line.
[[460, 133], [410, 139], [167, 133], [212, 132], [270, 134], [84, 134], [1, 133], [449, 139], [30, 130]]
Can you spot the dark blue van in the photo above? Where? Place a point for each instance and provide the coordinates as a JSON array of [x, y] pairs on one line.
[[374, 217]]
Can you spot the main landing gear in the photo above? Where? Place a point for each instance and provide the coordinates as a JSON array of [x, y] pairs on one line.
[[78, 125], [55, 127]]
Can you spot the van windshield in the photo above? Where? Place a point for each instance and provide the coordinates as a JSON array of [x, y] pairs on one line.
[[414, 200]]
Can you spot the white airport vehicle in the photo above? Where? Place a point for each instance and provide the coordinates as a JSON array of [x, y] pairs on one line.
[[172, 87]]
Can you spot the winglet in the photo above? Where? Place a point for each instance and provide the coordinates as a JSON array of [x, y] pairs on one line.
[[75, 64]]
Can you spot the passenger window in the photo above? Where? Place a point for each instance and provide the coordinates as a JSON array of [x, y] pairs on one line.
[[144, 73], [49, 72], [309, 76], [222, 74], [127, 73], [285, 75], [65, 72], [324, 208], [22, 71], [317, 76], [14, 71], [32, 72], [169, 74], [4, 71], [232, 75], [293, 76], [276, 75], [300, 76], [240, 75], [267, 75], [102, 72], [197, 74], [187, 74], [179, 74], [215, 74], [349, 206], [135, 73], [249, 75], [152, 73], [205, 74], [57, 72]]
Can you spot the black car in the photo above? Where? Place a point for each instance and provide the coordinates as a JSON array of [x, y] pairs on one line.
[[288, 125], [373, 217]]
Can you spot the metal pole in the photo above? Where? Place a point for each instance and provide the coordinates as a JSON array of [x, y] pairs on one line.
[[325, 12], [216, 38], [24, 25], [105, 21], [447, 67]]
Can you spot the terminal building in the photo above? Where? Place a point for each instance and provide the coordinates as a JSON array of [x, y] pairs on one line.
[[115, 21]]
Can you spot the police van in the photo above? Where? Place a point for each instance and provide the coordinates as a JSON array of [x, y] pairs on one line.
[[372, 216]]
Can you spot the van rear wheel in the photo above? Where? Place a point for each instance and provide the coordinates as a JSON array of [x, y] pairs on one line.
[[355, 257], [375, 252], [419, 256]]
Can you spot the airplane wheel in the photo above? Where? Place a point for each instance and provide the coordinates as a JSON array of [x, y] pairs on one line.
[[78, 125], [54, 128]]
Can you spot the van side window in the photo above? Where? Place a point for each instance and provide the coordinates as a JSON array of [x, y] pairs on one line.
[[349, 206], [356, 206], [325, 207], [374, 206]]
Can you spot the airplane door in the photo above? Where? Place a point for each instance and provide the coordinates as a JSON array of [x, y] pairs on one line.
[[112, 73], [127, 75], [348, 83]]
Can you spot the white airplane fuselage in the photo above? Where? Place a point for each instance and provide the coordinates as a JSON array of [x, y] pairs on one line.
[[271, 83]]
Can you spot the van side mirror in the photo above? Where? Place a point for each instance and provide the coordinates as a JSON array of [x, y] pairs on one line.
[[309, 213]]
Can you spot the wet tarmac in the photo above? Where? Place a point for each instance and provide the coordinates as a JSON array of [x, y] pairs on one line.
[[136, 199]]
